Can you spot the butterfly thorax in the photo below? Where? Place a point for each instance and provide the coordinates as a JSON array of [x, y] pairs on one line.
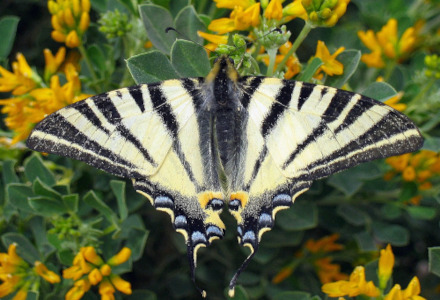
[[229, 118]]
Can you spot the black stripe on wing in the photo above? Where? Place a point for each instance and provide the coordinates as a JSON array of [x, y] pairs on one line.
[[100, 157]]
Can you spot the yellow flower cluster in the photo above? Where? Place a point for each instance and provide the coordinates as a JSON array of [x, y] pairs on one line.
[[70, 19], [31, 100], [419, 168], [385, 44], [18, 277], [90, 269], [246, 13], [358, 285]]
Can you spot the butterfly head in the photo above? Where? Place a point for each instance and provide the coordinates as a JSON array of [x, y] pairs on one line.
[[223, 79]]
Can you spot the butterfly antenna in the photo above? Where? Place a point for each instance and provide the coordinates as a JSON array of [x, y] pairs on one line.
[[243, 266], [168, 29], [192, 265]]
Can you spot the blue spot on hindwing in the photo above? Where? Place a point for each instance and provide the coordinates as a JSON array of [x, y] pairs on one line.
[[214, 230], [198, 237], [265, 220], [282, 200], [163, 201], [180, 221]]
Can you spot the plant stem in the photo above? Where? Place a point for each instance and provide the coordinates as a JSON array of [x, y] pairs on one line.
[[302, 35], [83, 52], [272, 56]]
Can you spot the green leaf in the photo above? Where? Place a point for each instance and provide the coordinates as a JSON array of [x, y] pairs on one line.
[[97, 57], [350, 59], [380, 91], [25, 249], [150, 67], [434, 260], [432, 143], [189, 59], [118, 188], [92, 199], [292, 296], [408, 191], [396, 235], [42, 189], [17, 194], [352, 214], [133, 230], [391, 211], [8, 172], [71, 202], [177, 5], [156, 19], [34, 168], [310, 70], [141, 295], [422, 213], [365, 241], [188, 22], [351, 180], [8, 28], [46, 206], [239, 294], [300, 216]]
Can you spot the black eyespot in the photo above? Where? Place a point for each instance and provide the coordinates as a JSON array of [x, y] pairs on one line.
[[216, 204]]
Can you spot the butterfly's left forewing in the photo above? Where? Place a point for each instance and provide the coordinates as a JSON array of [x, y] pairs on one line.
[[155, 135]]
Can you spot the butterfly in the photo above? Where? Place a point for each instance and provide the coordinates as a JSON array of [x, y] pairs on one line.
[[193, 146]]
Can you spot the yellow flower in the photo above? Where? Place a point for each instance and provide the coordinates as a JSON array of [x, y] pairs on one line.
[[80, 287], [410, 293], [239, 19], [295, 9], [120, 258], [329, 272], [394, 102], [323, 245], [413, 290], [44, 272], [330, 65], [419, 168], [70, 19], [293, 66], [386, 45], [17, 276], [121, 285], [324, 12], [356, 285], [231, 4], [386, 264], [88, 262], [274, 10], [214, 40], [21, 81], [53, 62]]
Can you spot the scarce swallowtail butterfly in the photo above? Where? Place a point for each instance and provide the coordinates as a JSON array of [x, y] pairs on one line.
[[252, 144]]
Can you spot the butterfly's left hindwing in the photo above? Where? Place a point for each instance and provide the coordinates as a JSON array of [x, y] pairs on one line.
[[151, 134]]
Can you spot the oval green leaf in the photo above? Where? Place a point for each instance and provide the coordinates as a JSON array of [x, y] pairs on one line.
[[380, 91], [25, 248], [156, 20], [189, 59], [188, 22], [8, 28], [311, 68], [151, 67]]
